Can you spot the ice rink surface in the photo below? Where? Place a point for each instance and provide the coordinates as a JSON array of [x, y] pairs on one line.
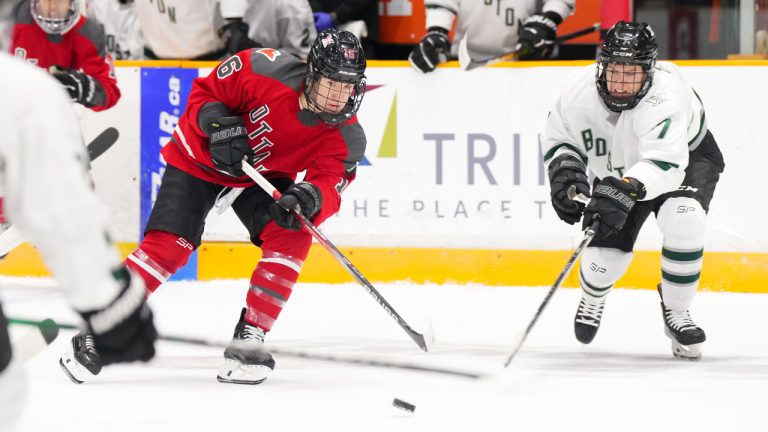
[[626, 380]]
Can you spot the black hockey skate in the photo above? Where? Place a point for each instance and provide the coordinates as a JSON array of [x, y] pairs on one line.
[[588, 316], [245, 359], [685, 335], [81, 361]]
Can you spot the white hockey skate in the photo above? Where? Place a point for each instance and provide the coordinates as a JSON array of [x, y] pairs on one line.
[[245, 359], [81, 362], [687, 338]]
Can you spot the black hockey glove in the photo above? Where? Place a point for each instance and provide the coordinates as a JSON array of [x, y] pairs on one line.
[[431, 51], [229, 144], [235, 35], [124, 330], [306, 195], [612, 201], [537, 36], [566, 171], [82, 88]]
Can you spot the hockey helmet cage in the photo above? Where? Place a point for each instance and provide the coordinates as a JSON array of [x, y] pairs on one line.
[[626, 43], [55, 16], [336, 55]]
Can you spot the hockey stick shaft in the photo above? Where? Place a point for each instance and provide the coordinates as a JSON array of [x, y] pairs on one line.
[[467, 63], [589, 234], [417, 337], [290, 353], [11, 238]]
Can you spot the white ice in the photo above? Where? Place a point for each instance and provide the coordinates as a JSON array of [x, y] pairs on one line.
[[626, 380]]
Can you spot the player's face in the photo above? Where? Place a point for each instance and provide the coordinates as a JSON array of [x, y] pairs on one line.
[[624, 80], [54, 9], [331, 96]]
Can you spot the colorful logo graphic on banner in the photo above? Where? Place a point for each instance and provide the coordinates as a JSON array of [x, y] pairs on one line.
[[164, 94]]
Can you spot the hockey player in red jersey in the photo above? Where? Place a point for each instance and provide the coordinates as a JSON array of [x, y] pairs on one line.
[[55, 36], [285, 116]]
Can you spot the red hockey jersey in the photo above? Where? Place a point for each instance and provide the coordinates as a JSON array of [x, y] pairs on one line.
[[262, 86], [83, 47]]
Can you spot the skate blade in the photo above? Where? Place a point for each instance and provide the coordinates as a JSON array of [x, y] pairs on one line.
[[234, 372], [66, 370], [685, 352]]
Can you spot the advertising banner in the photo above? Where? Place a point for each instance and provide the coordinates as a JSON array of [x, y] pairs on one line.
[[453, 161], [164, 94]]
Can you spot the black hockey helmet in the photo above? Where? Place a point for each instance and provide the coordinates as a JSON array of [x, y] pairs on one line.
[[55, 16], [336, 55], [626, 43]]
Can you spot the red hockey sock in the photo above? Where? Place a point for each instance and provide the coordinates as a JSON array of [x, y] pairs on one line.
[[271, 285], [158, 256]]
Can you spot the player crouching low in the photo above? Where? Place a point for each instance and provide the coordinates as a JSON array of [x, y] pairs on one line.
[[641, 129], [283, 116]]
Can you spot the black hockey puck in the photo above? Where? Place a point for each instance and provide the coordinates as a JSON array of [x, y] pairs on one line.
[[403, 405]]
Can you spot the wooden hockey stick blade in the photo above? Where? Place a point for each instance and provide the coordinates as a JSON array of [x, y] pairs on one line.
[[284, 352], [422, 341], [11, 238], [468, 63], [35, 341]]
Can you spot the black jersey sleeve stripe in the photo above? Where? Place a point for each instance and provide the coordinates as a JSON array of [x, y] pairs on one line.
[[354, 137], [279, 66], [94, 32]]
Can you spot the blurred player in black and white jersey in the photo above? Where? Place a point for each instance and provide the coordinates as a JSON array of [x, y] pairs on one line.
[[286, 25], [125, 40], [641, 129], [48, 195], [493, 28]]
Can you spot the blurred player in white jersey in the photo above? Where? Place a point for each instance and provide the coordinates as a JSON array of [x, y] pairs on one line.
[[125, 40], [180, 29], [48, 195], [641, 129], [286, 25], [492, 27]]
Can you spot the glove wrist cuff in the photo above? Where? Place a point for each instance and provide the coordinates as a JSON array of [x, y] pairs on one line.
[[438, 30], [554, 16], [543, 20]]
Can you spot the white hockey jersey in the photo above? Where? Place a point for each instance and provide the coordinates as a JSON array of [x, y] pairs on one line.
[[492, 27], [125, 41], [47, 191], [649, 142], [286, 25], [180, 29]]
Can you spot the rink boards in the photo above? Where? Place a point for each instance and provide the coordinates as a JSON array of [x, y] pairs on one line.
[[452, 187]]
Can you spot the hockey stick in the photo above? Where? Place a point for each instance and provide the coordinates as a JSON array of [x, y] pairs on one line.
[[466, 62], [11, 238], [419, 338], [589, 234], [35, 341], [289, 353]]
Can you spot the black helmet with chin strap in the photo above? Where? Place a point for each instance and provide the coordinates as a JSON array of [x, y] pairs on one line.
[[336, 55], [629, 43]]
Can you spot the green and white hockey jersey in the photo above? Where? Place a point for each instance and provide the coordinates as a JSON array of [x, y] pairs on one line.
[[649, 142]]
